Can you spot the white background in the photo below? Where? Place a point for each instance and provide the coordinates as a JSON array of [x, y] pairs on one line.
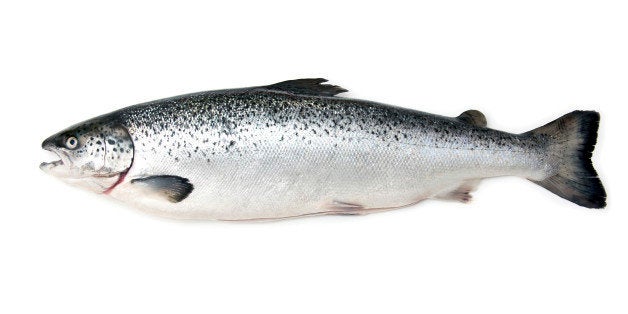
[[515, 249]]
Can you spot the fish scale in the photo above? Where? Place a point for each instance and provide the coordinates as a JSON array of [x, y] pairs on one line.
[[294, 148]]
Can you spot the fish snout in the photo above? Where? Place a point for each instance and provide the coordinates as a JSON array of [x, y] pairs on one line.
[[48, 144]]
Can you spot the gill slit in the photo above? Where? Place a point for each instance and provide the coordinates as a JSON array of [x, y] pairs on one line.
[[123, 174], [121, 177]]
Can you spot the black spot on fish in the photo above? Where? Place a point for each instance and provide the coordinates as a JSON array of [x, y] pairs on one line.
[[111, 142]]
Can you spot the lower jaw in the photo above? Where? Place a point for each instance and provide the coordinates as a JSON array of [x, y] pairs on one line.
[[50, 165]]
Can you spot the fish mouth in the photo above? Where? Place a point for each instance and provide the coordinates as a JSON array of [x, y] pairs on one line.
[[48, 166]]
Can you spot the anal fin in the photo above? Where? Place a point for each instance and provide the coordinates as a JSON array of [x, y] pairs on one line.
[[462, 193], [172, 188]]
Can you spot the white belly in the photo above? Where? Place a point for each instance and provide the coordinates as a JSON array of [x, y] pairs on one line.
[[292, 181]]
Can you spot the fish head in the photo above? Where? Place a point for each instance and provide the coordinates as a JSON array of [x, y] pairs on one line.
[[93, 154]]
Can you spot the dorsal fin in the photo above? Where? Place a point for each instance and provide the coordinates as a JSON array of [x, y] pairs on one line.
[[472, 117], [313, 87]]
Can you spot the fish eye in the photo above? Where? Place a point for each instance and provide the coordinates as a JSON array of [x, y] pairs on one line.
[[71, 142]]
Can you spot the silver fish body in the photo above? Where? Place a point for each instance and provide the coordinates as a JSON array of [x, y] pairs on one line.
[[294, 149]]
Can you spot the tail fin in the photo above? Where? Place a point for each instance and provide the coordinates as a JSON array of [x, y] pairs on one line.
[[573, 138]]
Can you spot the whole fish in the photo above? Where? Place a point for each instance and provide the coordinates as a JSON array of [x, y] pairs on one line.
[[294, 148]]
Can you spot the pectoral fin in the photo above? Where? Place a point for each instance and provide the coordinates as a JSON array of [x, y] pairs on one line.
[[172, 188]]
